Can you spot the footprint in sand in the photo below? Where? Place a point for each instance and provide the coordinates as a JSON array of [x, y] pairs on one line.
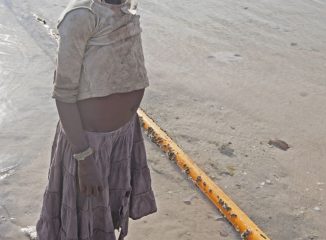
[[226, 57]]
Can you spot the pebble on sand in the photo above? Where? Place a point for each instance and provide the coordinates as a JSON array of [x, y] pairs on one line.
[[269, 182], [224, 233], [225, 149], [279, 144]]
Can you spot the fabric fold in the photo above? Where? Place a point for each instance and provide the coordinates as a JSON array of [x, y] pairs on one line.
[[67, 214]]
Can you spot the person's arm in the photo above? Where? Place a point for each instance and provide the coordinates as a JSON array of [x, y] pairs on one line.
[[71, 122], [74, 31]]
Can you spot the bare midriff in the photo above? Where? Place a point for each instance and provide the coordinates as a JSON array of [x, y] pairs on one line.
[[105, 114]]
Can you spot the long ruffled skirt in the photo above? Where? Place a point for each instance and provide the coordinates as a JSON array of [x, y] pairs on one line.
[[121, 158]]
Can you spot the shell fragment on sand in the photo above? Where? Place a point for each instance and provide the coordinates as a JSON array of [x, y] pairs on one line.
[[30, 232]]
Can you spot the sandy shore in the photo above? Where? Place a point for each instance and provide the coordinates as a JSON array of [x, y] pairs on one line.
[[226, 77]]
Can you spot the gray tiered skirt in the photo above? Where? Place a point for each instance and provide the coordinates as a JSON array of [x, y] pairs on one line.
[[69, 215]]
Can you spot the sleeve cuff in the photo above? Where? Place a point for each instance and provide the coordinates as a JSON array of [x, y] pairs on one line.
[[64, 98]]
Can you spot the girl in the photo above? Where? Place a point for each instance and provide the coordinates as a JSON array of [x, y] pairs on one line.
[[98, 175]]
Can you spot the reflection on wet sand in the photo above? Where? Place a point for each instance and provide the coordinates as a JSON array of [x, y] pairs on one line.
[[8, 171], [7, 45]]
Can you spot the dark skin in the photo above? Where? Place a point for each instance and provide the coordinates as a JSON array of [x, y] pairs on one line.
[[101, 114]]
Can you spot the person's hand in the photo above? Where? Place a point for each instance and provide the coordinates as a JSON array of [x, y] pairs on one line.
[[89, 177]]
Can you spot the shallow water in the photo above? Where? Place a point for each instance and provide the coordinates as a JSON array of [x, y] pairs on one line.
[[25, 82]]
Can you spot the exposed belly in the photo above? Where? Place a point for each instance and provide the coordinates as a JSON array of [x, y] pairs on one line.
[[105, 114]]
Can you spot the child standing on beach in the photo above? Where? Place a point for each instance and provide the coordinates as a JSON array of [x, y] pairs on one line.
[[98, 175]]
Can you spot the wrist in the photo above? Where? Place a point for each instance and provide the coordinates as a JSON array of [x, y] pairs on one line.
[[81, 156]]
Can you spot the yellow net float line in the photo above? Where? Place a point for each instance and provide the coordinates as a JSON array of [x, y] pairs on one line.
[[240, 221]]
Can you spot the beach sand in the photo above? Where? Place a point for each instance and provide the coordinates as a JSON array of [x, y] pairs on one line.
[[226, 78]]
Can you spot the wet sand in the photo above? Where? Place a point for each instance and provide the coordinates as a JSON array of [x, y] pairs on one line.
[[231, 76]]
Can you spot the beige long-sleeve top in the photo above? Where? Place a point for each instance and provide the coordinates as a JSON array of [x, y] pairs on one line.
[[99, 52]]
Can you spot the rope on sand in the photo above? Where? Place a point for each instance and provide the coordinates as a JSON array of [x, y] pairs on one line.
[[240, 221]]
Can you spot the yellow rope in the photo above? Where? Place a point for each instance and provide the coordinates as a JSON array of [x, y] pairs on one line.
[[241, 222]]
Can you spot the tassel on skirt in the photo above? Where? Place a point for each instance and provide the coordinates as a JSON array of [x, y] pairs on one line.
[[121, 158]]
